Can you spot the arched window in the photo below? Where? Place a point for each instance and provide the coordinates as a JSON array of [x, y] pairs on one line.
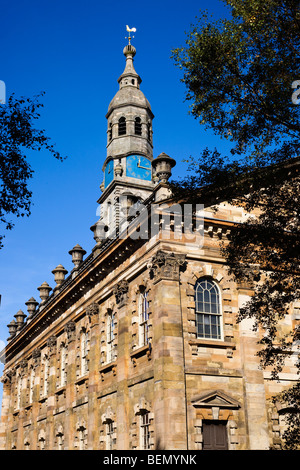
[[110, 132], [208, 310], [122, 126], [149, 132], [138, 126]]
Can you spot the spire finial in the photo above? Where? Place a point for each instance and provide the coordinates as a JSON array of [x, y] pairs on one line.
[[129, 30]]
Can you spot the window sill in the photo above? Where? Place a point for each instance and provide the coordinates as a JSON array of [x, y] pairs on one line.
[[107, 367], [43, 399], [60, 390], [143, 350], [80, 380], [210, 343]]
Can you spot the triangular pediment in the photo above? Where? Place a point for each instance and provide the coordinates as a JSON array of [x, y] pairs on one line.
[[215, 398]]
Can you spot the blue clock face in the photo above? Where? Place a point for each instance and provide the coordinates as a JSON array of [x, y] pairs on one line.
[[139, 167], [108, 173]]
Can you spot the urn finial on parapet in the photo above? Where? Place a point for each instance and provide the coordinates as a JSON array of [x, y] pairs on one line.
[[77, 254], [20, 316], [31, 307], [44, 291], [59, 275], [162, 166], [12, 329]]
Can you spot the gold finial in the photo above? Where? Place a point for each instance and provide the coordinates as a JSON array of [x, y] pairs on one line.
[[129, 30]]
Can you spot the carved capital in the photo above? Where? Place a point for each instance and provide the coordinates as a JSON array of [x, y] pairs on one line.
[[51, 343], [6, 378], [166, 265], [23, 367], [121, 292], [70, 330], [36, 356], [92, 312]]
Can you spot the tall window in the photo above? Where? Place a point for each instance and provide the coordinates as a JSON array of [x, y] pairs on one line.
[[42, 440], [149, 131], [138, 126], [82, 437], [109, 214], [31, 384], [109, 435], [19, 391], [122, 126], [144, 431], [143, 318], [60, 438], [208, 310], [46, 375], [83, 352], [63, 365], [110, 337], [26, 444], [110, 132]]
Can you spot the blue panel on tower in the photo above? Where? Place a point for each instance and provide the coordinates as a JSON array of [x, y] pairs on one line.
[[138, 166], [108, 173]]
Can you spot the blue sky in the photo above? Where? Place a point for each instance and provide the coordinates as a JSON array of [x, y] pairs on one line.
[[73, 51]]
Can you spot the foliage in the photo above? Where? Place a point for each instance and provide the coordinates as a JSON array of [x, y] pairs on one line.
[[239, 72], [18, 134]]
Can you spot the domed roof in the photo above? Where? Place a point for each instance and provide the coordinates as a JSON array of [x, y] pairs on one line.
[[127, 96]]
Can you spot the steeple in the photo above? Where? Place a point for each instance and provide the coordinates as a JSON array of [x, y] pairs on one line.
[[129, 116], [127, 168]]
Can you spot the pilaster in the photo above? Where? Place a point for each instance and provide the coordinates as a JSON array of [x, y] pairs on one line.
[[122, 412], [70, 330], [168, 353], [5, 410], [254, 388], [94, 357]]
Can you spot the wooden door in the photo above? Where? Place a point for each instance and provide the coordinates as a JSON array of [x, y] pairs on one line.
[[214, 435]]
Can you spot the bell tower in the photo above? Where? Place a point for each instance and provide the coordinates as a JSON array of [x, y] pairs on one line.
[[128, 165]]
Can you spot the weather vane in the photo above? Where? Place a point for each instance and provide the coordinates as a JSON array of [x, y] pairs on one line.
[[129, 30]]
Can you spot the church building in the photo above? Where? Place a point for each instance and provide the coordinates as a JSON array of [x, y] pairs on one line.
[[138, 346]]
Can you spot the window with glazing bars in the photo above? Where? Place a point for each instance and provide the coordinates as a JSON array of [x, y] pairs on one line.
[[143, 318], [145, 431], [208, 311], [110, 337], [109, 435]]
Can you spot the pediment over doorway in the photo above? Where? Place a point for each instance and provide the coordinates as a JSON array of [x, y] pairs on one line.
[[215, 398]]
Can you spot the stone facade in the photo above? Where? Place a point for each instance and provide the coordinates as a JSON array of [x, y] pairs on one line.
[[114, 357], [81, 375]]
